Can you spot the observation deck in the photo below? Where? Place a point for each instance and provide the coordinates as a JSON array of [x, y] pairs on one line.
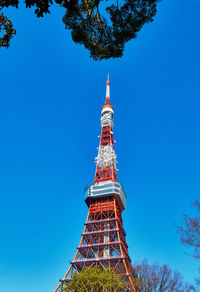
[[106, 190]]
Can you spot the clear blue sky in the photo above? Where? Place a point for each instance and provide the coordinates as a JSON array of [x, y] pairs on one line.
[[50, 102]]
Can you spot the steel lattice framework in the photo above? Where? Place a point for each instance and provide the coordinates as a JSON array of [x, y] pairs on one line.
[[103, 241]]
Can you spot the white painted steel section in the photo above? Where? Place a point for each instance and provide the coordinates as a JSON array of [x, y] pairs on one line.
[[106, 155], [106, 240], [107, 118], [107, 109], [107, 90], [102, 183]]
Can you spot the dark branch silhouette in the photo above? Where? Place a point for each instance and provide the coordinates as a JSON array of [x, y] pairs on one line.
[[102, 26], [157, 278], [6, 28], [190, 232]]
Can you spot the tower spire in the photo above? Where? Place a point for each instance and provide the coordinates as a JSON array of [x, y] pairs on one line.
[[107, 91], [106, 170]]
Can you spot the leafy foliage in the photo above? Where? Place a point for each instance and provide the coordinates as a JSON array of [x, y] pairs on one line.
[[103, 33], [6, 27], [190, 233], [105, 37], [94, 279], [156, 278]]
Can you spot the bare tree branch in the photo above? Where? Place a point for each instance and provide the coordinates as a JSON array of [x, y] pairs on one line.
[[190, 231]]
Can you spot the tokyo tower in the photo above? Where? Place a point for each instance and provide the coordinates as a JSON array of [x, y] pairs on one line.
[[103, 241]]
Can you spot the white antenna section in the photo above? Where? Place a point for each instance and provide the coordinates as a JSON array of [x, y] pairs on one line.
[[106, 155]]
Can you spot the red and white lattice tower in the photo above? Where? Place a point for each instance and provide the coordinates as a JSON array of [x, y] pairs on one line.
[[103, 242]]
